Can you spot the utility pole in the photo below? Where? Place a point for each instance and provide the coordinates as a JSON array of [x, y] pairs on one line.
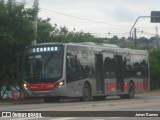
[[135, 36], [36, 2]]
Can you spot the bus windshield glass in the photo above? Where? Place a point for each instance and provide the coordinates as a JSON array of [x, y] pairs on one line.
[[43, 68]]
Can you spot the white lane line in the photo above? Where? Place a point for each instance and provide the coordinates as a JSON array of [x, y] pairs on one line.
[[107, 118], [27, 118], [34, 118], [65, 118], [98, 119], [114, 117]]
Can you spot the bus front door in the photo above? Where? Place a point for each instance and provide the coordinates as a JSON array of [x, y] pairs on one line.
[[99, 74], [119, 71]]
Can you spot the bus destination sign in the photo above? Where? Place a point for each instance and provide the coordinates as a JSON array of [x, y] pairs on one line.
[[44, 49]]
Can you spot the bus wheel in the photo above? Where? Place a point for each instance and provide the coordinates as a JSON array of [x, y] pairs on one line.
[[86, 92], [131, 91]]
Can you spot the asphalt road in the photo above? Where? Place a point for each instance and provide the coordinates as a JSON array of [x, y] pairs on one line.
[[113, 108]]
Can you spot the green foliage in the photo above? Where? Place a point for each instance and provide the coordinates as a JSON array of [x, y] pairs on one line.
[[44, 31], [16, 32], [154, 60], [113, 40], [49, 33]]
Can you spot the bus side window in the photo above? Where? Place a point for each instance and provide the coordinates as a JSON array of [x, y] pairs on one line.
[[109, 67], [68, 65], [73, 65], [72, 70]]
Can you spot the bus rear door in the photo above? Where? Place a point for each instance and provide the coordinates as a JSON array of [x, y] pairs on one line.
[[99, 73], [119, 71]]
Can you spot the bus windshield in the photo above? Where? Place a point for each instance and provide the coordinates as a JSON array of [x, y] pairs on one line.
[[43, 68]]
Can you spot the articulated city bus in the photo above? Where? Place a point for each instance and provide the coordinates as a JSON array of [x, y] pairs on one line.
[[84, 70]]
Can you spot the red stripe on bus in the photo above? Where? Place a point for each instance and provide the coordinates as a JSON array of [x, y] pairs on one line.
[[141, 85], [41, 87], [138, 86], [125, 86], [111, 86]]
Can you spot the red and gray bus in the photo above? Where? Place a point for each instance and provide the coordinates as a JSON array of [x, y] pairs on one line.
[[84, 70]]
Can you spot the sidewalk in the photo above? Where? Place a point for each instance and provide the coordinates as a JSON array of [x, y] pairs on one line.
[[20, 101], [151, 93]]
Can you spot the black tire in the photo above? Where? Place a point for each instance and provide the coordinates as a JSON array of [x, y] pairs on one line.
[[86, 93]]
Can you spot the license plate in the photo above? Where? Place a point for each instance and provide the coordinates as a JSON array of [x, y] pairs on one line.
[[41, 95]]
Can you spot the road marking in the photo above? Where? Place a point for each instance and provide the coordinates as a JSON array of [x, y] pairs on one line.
[[115, 117], [27, 118], [65, 118], [98, 119]]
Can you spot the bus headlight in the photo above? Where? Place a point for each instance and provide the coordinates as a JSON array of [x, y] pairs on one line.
[[25, 86], [60, 84]]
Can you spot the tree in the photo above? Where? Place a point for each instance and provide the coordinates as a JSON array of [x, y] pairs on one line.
[[154, 62], [49, 33], [16, 32], [44, 30], [114, 40]]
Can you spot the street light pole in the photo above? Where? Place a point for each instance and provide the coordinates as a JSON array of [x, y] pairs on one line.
[[155, 18], [136, 22]]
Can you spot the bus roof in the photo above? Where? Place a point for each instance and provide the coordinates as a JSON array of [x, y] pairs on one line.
[[81, 43], [94, 45]]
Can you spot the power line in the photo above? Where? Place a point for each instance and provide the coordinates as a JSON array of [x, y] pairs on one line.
[[84, 19], [146, 28], [147, 33], [79, 18], [110, 33]]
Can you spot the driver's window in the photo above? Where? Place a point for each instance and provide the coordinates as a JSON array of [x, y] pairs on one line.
[[71, 68]]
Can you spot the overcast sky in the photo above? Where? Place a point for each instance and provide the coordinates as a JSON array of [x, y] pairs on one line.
[[100, 16]]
